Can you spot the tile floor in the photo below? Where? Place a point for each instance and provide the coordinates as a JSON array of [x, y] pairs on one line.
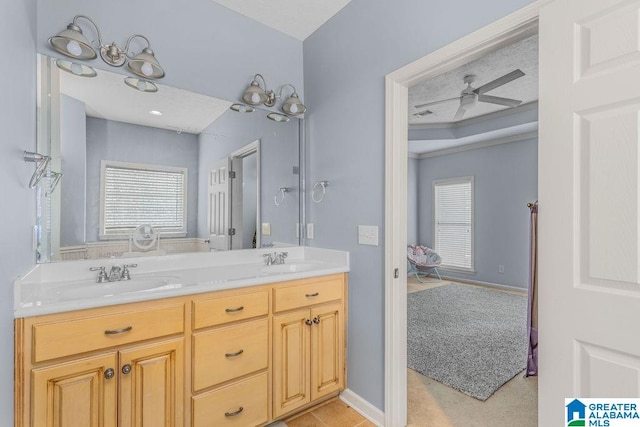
[[334, 413]]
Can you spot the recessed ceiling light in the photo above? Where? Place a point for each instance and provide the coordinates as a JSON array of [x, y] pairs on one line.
[[155, 113]]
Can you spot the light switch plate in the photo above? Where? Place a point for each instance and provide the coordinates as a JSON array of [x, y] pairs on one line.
[[368, 235], [310, 230], [266, 228]]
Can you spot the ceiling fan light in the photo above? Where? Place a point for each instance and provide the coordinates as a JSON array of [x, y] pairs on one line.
[[146, 65], [72, 43]]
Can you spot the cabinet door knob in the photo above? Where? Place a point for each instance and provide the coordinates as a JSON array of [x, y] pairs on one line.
[[237, 353], [233, 414], [308, 322], [316, 320], [109, 373], [118, 331], [315, 294], [126, 369], [235, 309]]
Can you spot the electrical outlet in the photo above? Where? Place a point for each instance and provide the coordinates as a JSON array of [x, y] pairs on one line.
[[266, 228], [310, 230], [501, 269], [368, 235]]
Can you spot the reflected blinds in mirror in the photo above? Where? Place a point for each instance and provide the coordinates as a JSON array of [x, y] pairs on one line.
[[136, 194]]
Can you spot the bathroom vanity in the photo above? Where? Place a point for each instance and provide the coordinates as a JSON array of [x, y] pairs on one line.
[[209, 339]]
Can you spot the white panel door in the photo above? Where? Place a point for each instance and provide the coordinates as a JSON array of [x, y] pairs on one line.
[[589, 217], [219, 205]]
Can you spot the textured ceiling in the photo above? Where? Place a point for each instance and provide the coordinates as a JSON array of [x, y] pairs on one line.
[[297, 18], [522, 55], [106, 96]]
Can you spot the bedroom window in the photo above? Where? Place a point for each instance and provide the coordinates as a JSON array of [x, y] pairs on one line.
[[134, 194], [453, 222]]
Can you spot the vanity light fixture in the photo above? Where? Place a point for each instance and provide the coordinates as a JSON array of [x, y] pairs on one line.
[[75, 68], [155, 113], [140, 84], [71, 42], [259, 94], [277, 117]]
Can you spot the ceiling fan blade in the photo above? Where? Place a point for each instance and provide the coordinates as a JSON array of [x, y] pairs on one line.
[[515, 74], [499, 100], [457, 98], [459, 114]]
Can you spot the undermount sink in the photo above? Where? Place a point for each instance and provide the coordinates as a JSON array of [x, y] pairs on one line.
[[294, 267], [77, 290]]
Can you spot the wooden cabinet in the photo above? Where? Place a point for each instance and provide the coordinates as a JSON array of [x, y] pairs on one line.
[[241, 357], [308, 345]]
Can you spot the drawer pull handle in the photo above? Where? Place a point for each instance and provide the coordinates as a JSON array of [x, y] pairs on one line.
[[315, 294], [109, 373], [316, 320], [126, 369], [233, 414], [307, 322], [118, 331], [237, 353], [235, 309]]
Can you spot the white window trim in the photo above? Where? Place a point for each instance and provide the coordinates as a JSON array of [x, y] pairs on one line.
[[458, 180], [102, 235]]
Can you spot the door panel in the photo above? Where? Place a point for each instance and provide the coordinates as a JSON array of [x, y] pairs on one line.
[[76, 394], [589, 233], [327, 350], [219, 205], [151, 393]]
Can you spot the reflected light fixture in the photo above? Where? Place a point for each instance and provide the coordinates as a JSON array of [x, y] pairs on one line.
[[72, 42], [155, 113], [241, 108], [257, 93], [140, 84], [75, 68]]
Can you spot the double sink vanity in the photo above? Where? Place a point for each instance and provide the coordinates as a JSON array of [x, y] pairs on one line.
[[237, 338]]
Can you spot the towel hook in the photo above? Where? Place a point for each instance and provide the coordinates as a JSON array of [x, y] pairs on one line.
[[323, 185], [41, 162], [280, 195]]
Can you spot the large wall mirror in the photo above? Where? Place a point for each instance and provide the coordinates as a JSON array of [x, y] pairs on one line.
[[134, 173]]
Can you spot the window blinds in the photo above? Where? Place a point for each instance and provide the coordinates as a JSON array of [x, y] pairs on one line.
[[454, 222], [144, 194]]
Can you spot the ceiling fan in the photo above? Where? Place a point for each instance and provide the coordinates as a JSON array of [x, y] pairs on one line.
[[470, 96]]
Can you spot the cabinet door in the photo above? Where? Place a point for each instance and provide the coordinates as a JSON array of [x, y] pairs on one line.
[[152, 385], [327, 350], [290, 361], [76, 394]]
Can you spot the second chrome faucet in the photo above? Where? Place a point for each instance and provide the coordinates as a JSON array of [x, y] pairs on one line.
[[116, 273], [275, 258]]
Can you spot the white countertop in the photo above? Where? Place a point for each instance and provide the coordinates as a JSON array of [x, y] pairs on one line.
[[70, 285]]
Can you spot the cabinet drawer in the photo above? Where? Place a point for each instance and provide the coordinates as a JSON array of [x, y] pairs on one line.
[[217, 311], [217, 408], [308, 294], [69, 337], [223, 354]]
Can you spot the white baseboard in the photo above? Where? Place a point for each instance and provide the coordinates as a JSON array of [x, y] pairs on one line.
[[487, 284], [363, 407]]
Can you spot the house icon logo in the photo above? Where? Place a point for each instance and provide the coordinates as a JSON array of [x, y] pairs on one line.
[[576, 413]]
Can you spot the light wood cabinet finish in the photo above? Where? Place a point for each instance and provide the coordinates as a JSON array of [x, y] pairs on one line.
[[184, 361]]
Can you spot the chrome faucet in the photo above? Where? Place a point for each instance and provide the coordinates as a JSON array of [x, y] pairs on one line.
[[275, 258], [280, 257], [116, 273]]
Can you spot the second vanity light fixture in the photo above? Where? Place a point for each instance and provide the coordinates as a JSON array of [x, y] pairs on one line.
[[259, 94], [72, 43]]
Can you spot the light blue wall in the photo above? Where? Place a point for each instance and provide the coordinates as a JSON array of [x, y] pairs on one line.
[[412, 202], [72, 187], [345, 62], [505, 180], [249, 199], [203, 46], [17, 216], [278, 155], [126, 142]]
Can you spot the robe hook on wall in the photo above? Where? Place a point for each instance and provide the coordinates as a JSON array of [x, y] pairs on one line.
[[279, 197], [41, 162], [323, 186]]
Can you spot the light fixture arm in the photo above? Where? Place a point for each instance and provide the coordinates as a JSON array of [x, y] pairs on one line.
[[284, 86], [126, 46], [264, 82], [86, 18]]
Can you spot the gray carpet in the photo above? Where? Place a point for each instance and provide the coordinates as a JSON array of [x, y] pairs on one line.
[[472, 339]]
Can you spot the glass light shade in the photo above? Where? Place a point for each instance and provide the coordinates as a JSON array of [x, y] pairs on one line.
[[146, 65], [71, 42], [254, 95], [141, 85], [76, 69], [277, 117], [293, 105], [241, 108]]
